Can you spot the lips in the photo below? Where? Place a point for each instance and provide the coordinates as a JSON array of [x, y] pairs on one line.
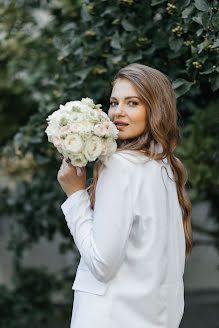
[[120, 123], [121, 126]]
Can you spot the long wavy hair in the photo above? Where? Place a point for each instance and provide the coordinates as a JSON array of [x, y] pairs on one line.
[[157, 94]]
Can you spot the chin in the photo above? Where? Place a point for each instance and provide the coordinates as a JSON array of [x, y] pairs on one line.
[[123, 137]]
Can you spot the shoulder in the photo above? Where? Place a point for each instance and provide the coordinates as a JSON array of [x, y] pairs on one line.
[[128, 158], [121, 157], [116, 164], [118, 169], [116, 175], [123, 162], [132, 162]]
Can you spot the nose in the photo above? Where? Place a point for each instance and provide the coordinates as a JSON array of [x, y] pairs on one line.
[[120, 109]]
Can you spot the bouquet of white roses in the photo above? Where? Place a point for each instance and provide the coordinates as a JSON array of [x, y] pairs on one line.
[[82, 132]]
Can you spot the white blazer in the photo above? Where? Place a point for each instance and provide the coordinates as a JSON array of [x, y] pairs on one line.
[[132, 246]]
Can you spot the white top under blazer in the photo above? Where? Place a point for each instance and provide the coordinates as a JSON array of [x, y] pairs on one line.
[[132, 246]]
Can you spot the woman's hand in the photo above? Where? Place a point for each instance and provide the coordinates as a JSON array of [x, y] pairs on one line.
[[68, 178]]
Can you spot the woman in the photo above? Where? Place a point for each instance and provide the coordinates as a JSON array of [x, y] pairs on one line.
[[133, 230]]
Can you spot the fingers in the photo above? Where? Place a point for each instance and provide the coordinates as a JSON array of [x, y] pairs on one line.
[[61, 172], [66, 170], [80, 172], [66, 166], [62, 169]]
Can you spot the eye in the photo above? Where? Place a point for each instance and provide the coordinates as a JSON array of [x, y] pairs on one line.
[[112, 102], [134, 102]]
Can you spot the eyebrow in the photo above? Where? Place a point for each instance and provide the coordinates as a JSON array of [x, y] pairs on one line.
[[126, 97]]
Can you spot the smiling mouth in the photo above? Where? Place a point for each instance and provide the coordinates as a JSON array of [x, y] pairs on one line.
[[121, 123], [120, 126]]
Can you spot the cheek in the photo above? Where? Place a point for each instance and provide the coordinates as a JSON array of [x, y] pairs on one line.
[[110, 114], [139, 116]]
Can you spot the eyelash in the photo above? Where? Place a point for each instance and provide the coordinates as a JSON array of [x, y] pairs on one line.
[[111, 102]]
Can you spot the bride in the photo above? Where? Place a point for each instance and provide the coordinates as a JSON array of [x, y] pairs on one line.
[[133, 228]]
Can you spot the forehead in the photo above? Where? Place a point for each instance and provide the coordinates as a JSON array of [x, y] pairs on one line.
[[123, 88]]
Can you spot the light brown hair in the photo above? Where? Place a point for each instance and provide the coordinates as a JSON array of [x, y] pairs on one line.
[[156, 92]]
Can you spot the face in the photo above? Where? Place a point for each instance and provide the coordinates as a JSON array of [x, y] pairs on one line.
[[126, 106]]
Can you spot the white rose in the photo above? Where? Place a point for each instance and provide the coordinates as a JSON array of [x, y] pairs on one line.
[[57, 116], [87, 126], [70, 106], [104, 149], [105, 116], [92, 116], [64, 119], [75, 117], [78, 159], [65, 130], [57, 143], [73, 143], [113, 131], [106, 123], [104, 159], [100, 130], [111, 146], [88, 101], [76, 127], [93, 148], [51, 130]]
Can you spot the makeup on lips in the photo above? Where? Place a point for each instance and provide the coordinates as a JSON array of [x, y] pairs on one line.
[[120, 125]]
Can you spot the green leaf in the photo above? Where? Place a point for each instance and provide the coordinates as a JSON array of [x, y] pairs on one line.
[[134, 57], [175, 44], [150, 50], [207, 68], [127, 25], [193, 50], [201, 5], [197, 19], [215, 44], [199, 31], [84, 14], [208, 71], [203, 45], [215, 21], [157, 2], [186, 12], [181, 86], [114, 60], [83, 73], [202, 59], [115, 41], [214, 82], [202, 19]]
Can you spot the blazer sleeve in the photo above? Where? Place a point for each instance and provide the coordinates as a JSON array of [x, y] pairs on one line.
[[101, 234]]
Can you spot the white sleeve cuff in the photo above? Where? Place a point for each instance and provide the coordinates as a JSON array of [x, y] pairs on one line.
[[72, 199]]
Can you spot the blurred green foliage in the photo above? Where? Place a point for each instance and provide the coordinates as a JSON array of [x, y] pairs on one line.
[[56, 51]]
